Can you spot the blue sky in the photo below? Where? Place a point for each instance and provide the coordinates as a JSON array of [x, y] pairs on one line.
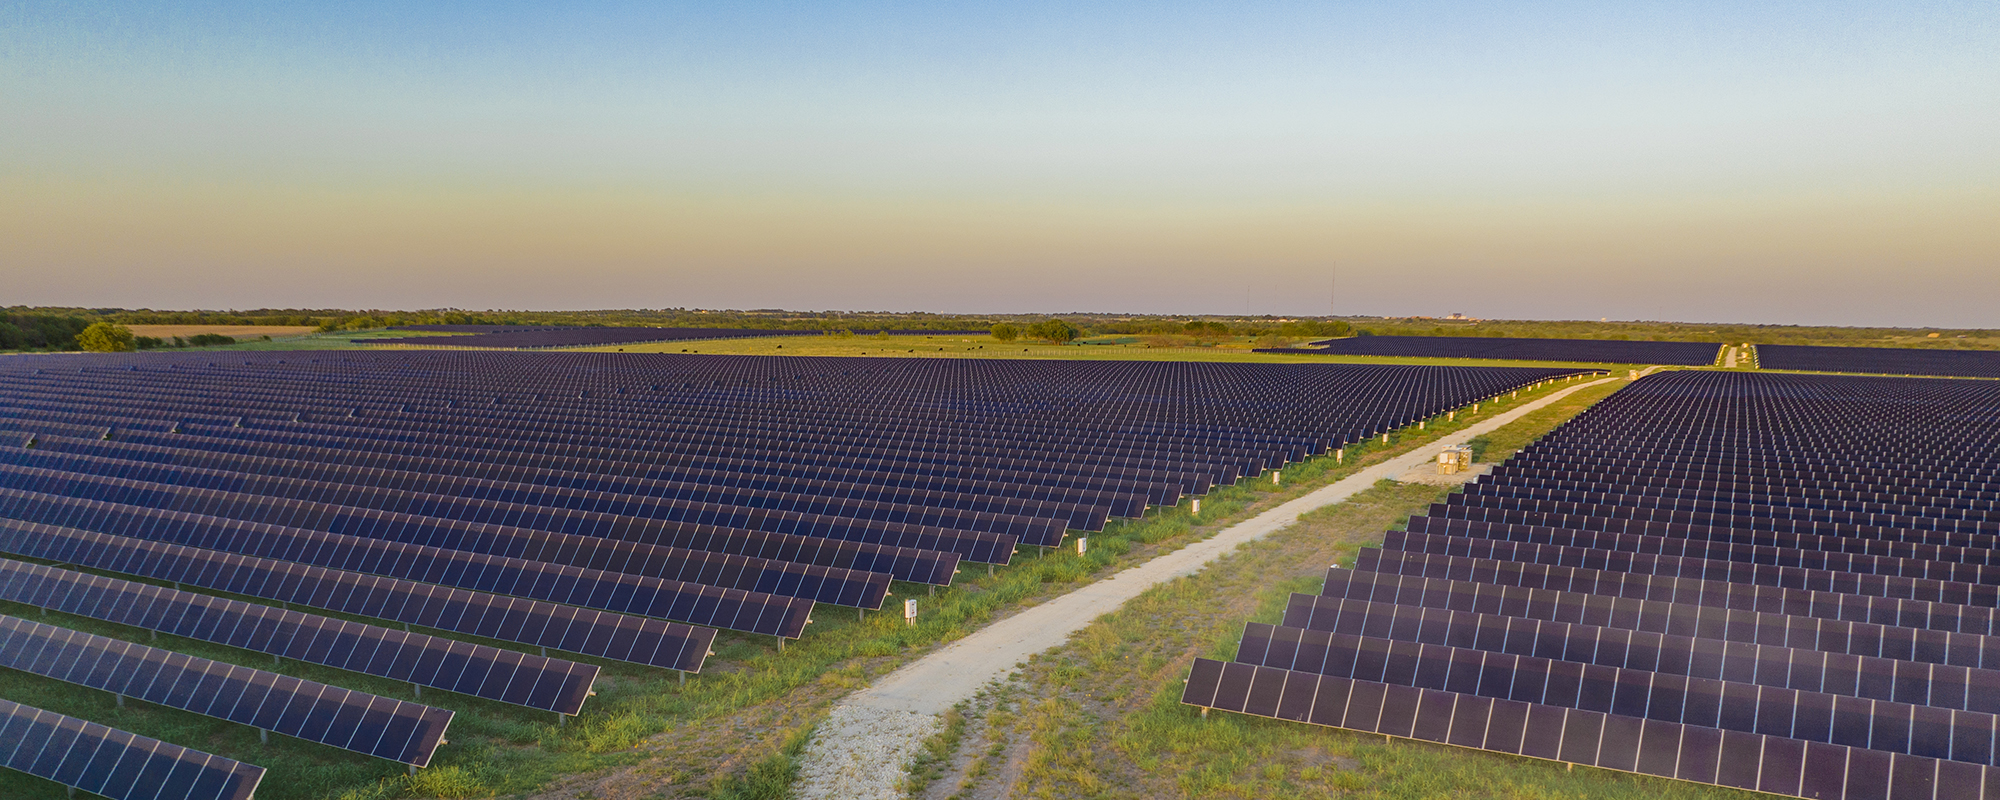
[[1785, 162]]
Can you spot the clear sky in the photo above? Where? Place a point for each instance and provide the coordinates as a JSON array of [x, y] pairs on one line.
[[1792, 162]]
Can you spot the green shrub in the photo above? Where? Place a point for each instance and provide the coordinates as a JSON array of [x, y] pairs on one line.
[[105, 337]]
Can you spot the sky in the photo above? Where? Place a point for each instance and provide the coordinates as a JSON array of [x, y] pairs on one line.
[[1781, 162]]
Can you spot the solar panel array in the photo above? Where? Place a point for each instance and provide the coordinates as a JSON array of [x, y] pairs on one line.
[[477, 670], [119, 765], [383, 727], [1881, 360], [623, 507], [1783, 583], [1605, 351]]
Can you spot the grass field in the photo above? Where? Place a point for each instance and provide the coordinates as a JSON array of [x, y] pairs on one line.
[[337, 340], [1101, 716], [729, 732], [1236, 350]]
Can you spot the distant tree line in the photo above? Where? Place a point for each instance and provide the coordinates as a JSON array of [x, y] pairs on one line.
[[47, 328], [41, 331]]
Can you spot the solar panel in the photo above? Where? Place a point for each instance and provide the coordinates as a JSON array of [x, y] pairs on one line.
[[1610, 351], [476, 670], [1880, 360], [364, 723], [731, 609], [1787, 578], [115, 764], [578, 630], [1741, 759]]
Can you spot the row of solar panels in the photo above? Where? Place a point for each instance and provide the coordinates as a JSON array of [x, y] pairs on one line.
[[1881, 360], [982, 547], [1558, 610], [119, 765], [1604, 351], [1164, 399], [524, 523]]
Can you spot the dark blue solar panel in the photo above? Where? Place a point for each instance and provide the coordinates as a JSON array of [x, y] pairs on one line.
[[1881, 360], [115, 764], [1784, 581], [378, 726], [578, 630], [1608, 351], [522, 679]]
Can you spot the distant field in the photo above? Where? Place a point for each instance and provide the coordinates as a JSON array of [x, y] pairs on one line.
[[232, 331], [337, 340], [989, 347]]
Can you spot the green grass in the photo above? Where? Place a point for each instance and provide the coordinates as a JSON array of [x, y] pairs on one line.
[[337, 340], [497, 749]]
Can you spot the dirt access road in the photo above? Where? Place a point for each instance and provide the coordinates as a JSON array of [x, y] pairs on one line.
[[863, 748]]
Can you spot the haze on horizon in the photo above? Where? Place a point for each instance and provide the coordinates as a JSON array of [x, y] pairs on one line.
[[1809, 163]]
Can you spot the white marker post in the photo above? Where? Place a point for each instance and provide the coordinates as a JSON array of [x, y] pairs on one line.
[[1082, 545], [1197, 507]]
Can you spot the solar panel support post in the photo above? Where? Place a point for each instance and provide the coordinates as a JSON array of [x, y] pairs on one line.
[[119, 699], [781, 643], [263, 736], [418, 690]]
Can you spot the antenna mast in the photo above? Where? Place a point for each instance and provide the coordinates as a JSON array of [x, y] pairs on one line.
[[1332, 299]]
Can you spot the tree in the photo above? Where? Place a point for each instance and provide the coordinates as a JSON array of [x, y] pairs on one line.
[[1006, 332], [105, 337], [1205, 332], [1053, 330]]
